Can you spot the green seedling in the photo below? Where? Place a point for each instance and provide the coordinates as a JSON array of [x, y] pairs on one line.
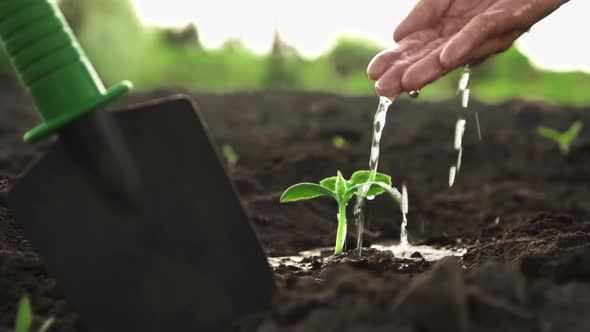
[[231, 156], [342, 190], [24, 318], [565, 139], [339, 142]]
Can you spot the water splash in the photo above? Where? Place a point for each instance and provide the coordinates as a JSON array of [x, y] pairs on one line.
[[405, 250], [378, 125]]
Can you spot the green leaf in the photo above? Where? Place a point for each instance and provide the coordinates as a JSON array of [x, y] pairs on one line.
[[572, 133], [46, 325], [364, 176], [341, 185], [23, 316], [339, 142], [329, 183], [231, 156], [383, 187], [563, 139], [361, 177], [549, 133], [303, 191]]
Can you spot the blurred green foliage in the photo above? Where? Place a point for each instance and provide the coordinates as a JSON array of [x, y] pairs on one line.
[[122, 48]]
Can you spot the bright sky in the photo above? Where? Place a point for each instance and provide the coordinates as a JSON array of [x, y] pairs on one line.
[[559, 42]]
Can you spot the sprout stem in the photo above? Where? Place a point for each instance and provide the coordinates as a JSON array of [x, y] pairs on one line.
[[341, 232]]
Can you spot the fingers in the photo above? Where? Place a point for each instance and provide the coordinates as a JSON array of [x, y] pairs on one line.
[[494, 46], [424, 71], [390, 83], [405, 49], [425, 66], [478, 31], [385, 59], [424, 15]]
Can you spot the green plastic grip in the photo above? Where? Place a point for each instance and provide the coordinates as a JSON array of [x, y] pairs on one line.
[[51, 64]]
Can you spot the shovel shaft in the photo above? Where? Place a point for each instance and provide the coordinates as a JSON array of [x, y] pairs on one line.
[[51, 64]]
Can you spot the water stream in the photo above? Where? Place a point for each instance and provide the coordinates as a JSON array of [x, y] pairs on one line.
[[378, 125], [403, 238], [460, 126]]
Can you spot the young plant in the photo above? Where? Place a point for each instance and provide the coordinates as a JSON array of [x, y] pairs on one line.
[[24, 318], [339, 142], [231, 156], [565, 139], [342, 190]]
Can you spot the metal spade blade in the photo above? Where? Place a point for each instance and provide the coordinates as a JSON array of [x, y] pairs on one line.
[[178, 255]]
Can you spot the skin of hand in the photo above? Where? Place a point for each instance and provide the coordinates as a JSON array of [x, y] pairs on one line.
[[441, 35]]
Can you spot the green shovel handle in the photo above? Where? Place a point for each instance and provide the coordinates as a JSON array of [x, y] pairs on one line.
[[51, 64]]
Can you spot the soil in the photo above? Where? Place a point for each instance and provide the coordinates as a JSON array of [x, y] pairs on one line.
[[519, 207]]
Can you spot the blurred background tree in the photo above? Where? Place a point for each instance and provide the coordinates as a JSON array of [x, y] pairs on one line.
[[281, 64]]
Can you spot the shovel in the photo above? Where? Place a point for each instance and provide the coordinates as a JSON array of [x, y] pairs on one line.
[[131, 210]]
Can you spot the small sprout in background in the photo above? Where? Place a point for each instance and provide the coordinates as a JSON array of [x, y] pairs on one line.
[[325, 106], [230, 155], [342, 190], [24, 318], [565, 139], [339, 142]]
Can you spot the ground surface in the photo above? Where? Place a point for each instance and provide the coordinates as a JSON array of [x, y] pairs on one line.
[[528, 272]]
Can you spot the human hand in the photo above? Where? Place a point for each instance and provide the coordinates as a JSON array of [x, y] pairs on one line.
[[441, 35]]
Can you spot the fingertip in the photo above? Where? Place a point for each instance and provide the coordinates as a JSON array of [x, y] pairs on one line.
[[410, 82], [421, 73], [386, 90], [383, 61], [447, 58], [374, 70]]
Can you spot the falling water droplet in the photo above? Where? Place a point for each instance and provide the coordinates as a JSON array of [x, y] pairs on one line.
[[464, 81], [459, 157], [459, 132], [465, 99], [370, 198], [478, 127], [403, 240], [414, 93], [452, 172]]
